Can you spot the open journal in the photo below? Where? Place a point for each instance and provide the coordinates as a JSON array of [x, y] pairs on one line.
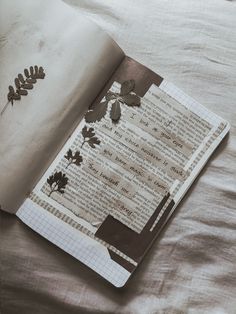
[[96, 149]]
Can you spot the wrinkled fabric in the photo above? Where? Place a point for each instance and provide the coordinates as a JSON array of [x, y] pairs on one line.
[[191, 268]]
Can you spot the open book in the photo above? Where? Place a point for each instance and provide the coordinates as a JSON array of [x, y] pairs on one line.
[[96, 149]]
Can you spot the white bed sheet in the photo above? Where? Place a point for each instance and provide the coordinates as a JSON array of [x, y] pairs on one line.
[[192, 266]]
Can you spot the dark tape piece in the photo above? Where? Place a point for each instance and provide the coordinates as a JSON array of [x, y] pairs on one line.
[[129, 242]]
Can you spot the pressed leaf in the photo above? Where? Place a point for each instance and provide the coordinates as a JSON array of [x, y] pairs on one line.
[[36, 69], [110, 96], [31, 80], [89, 137], [93, 141], [11, 89], [126, 96], [115, 111], [31, 71], [57, 182], [17, 83], [12, 95], [41, 73], [87, 132], [75, 158], [69, 154], [131, 100], [26, 73], [97, 113], [16, 96], [23, 84], [27, 86], [127, 87], [21, 78], [22, 92]]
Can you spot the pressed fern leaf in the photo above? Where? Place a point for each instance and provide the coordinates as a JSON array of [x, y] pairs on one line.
[[22, 85]]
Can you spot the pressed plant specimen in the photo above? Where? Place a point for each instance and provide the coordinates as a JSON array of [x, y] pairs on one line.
[[125, 96], [23, 84]]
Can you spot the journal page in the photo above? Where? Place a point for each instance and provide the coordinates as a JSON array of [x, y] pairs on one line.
[[51, 71], [123, 171]]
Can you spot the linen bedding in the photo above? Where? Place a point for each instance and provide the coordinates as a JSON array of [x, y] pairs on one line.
[[191, 268]]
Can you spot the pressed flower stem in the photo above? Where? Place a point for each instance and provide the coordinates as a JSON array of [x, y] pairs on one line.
[[53, 189], [51, 192], [83, 143], [4, 108], [69, 163]]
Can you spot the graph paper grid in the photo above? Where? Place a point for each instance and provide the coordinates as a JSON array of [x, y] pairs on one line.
[[190, 103], [74, 242]]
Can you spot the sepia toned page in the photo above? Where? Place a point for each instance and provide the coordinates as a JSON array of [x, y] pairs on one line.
[[56, 62], [123, 171]]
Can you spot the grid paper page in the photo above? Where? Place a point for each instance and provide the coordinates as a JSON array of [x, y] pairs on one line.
[[73, 242], [190, 103]]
